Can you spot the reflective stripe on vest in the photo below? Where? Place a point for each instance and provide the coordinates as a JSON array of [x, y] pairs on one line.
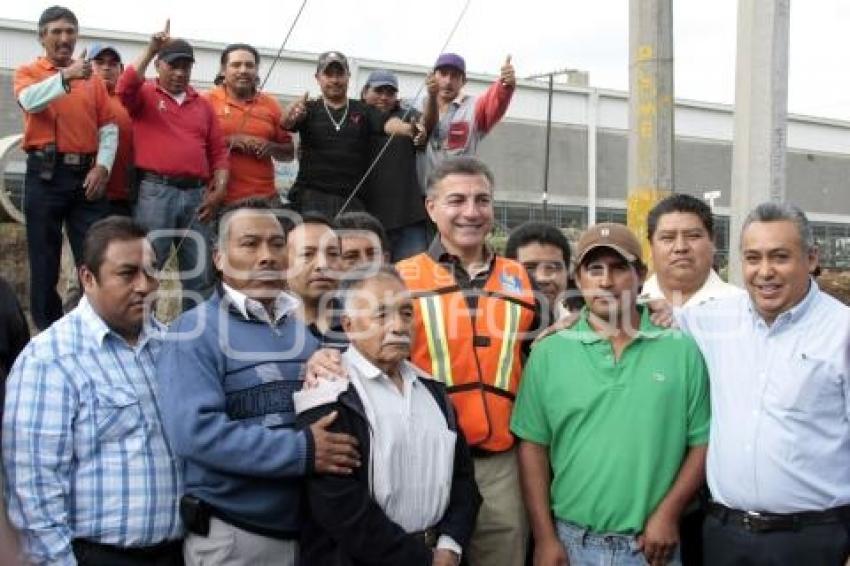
[[506, 356], [438, 347]]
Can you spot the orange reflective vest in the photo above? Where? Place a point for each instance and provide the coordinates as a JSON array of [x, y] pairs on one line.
[[475, 353]]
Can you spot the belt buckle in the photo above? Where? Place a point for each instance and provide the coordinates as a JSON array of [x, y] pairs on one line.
[[754, 521], [72, 159], [430, 536]]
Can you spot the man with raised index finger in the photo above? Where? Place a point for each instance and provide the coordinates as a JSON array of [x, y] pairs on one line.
[[180, 156]]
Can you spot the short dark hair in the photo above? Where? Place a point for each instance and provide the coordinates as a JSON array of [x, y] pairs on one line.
[[463, 165], [54, 14], [680, 202], [537, 232], [104, 232], [219, 78], [250, 203], [310, 217], [363, 221]]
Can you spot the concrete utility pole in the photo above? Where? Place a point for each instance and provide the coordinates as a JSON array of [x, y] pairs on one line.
[[651, 107], [761, 114]]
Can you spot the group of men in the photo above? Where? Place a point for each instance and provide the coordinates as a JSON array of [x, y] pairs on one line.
[[101, 140], [323, 407]]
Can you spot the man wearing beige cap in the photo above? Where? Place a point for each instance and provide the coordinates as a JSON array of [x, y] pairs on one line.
[[618, 409]]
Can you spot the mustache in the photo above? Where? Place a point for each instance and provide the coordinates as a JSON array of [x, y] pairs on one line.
[[397, 340]]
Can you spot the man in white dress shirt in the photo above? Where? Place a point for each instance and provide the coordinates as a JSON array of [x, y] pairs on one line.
[[681, 234], [415, 501], [779, 451]]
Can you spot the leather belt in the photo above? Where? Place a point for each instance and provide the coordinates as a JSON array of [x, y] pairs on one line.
[[429, 536], [173, 181], [74, 160], [759, 522], [152, 552]]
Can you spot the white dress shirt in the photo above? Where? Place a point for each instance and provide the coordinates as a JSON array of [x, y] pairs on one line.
[[780, 398], [412, 448], [283, 305], [713, 288]]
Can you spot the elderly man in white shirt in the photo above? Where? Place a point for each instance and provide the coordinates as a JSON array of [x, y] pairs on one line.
[[681, 234], [779, 360], [415, 501]]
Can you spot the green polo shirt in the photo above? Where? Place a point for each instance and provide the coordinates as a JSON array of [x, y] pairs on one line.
[[617, 430]]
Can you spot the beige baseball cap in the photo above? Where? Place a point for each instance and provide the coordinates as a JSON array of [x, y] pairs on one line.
[[609, 235]]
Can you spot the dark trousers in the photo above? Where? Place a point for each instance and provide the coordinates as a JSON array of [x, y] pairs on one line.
[[305, 200], [94, 554], [731, 544], [48, 205], [120, 208]]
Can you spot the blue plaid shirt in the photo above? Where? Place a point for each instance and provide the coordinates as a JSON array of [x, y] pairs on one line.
[[83, 447]]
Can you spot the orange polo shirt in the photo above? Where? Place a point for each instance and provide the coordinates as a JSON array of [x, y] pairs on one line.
[[249, 176], [72, 120], [119, 178]]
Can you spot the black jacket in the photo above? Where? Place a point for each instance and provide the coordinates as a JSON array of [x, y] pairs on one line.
[[344, 525]]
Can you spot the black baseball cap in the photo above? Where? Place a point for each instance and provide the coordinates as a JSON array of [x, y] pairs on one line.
[[176, 49]]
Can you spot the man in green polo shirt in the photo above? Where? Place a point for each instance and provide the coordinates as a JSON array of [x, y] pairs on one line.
[[618, 409]]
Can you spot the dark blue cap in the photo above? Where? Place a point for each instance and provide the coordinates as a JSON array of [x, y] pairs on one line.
[[452, 60], [95, 49], [382, 77]]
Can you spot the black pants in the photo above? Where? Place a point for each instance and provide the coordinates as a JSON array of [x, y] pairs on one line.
[[47, 206], [310, 200], [730, 544], [94, 554]]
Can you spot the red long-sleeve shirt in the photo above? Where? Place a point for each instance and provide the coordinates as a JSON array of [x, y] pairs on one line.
[[170, 138]]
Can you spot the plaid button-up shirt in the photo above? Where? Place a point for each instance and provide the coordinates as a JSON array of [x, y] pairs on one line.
[[83, 448]]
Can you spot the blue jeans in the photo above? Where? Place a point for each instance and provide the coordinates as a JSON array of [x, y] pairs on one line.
[[174, 212], [47, 206], [586, 548], [407, 241]]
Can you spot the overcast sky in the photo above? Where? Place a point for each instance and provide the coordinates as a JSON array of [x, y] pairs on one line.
[[541, 35]]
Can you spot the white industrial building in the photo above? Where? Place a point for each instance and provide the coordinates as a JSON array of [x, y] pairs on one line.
[[588, 172]]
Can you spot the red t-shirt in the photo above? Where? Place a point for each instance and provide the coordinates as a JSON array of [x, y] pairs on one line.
[[182, 140]]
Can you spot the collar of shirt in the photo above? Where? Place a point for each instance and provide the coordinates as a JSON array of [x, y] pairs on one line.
[[439, 254], [97, 328], [370, 371], [249, 308], [713, 288], [588, 335], [180, 99], [793, 314], [45, 63], [220, 93]]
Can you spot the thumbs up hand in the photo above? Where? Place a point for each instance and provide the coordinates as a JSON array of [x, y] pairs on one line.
[[80, 68], [296, 112], [508, 75]]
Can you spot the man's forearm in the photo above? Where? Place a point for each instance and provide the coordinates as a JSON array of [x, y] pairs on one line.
[[220, 178], [107, 145], [141, 63], [36, 97], [283, 151], [534, 479], [431, 114], [688, 482]]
